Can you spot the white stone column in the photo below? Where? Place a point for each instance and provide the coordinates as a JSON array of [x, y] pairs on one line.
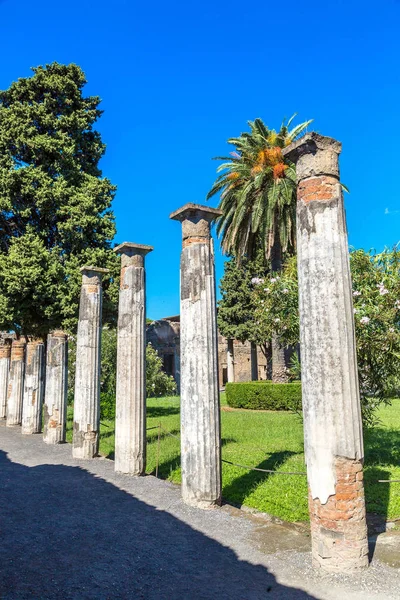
[[86, 426], [32, 403], [130, 422], [55, 399], [16, 383], [5, 354], [230, 360], [200, 409], [331, 401]]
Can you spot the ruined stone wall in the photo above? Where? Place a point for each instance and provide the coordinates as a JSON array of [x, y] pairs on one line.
[[241, 360], [164, 336]]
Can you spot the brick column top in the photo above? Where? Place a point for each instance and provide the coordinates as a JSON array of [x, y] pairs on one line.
[[314, 155], [59, 333], [5, 349], [196, 220]]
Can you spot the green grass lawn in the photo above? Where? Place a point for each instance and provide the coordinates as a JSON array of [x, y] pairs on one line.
[[269, 440]]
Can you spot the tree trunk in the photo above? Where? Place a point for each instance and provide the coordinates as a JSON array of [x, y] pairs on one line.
[[254, 362], [230, 360], [279, 373]]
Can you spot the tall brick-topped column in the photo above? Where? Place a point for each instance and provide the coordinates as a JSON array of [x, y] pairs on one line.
[[16, 383], [5, 354], [331, 401], [200, 410], [55, 399], [33, 388], [85, 442], [130, 422]]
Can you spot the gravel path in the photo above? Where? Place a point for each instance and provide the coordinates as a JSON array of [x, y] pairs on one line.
[[76, 530]]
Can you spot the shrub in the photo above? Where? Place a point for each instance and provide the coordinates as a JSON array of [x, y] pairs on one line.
[[264, 395]]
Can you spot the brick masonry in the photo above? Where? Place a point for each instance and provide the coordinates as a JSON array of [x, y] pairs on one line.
[[338, 528]]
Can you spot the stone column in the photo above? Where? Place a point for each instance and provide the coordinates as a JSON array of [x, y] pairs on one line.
[[33, 388], [130, 421], [5, 353], [200, 410], [55, 399], [253, 361], [86, 426], [331, 401], [230, 360], [16, 383]]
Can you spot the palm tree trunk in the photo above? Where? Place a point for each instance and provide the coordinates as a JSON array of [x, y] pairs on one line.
[[279, 373]]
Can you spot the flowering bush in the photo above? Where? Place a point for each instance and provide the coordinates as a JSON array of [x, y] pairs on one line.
[[376, 301]]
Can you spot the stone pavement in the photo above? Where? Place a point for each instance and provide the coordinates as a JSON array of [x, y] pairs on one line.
[[73, 529]]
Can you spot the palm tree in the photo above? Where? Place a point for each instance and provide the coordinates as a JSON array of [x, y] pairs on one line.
[[257, 188]]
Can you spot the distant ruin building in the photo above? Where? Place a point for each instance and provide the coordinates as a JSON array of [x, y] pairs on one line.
[[164, 336]]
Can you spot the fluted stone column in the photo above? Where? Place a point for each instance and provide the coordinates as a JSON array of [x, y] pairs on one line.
[[331, 401], [5, 354], [200, 409], [33, 388], [55, 399], [130, 421], [86, 426], [16, 383]]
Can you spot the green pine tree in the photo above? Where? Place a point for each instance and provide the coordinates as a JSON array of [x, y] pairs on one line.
[[236, 307], [55, 206]]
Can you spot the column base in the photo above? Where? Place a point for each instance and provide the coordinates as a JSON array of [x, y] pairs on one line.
[[202, 504], [338, 528], [85, 444]]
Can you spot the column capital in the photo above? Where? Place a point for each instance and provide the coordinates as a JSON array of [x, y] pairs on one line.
[[196, 220], [59, 333], [92, 275], [85, 269], [314, 155], [131, 249]]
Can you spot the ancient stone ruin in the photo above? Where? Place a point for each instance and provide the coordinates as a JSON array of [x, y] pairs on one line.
[[86, 425], [55, 400], [331, 402], [200, 410], [130, 421]]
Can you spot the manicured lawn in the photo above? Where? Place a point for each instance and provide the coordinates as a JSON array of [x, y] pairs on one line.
[[269, 440]]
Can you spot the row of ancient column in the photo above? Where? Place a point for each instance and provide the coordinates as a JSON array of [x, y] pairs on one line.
[[24, 377], [331, 401]]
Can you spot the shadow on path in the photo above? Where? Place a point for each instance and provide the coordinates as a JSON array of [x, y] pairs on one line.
[[68, 534]]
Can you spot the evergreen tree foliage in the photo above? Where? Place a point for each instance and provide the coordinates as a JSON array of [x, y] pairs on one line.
[[237, 305], [55, 206]]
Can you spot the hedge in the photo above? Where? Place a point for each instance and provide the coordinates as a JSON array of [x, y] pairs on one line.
[[264, 395]]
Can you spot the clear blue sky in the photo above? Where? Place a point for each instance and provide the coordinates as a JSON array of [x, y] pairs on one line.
[[178, 78]]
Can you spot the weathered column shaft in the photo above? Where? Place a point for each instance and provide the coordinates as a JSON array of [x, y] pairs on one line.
[[230, 360], [331, 402], [200, 410], [33, 388], [5, 354], [87, 370], [130, 422], [16, 383], [55, 399]]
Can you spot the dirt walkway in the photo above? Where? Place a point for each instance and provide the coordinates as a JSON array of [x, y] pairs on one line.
[[76, 530]]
